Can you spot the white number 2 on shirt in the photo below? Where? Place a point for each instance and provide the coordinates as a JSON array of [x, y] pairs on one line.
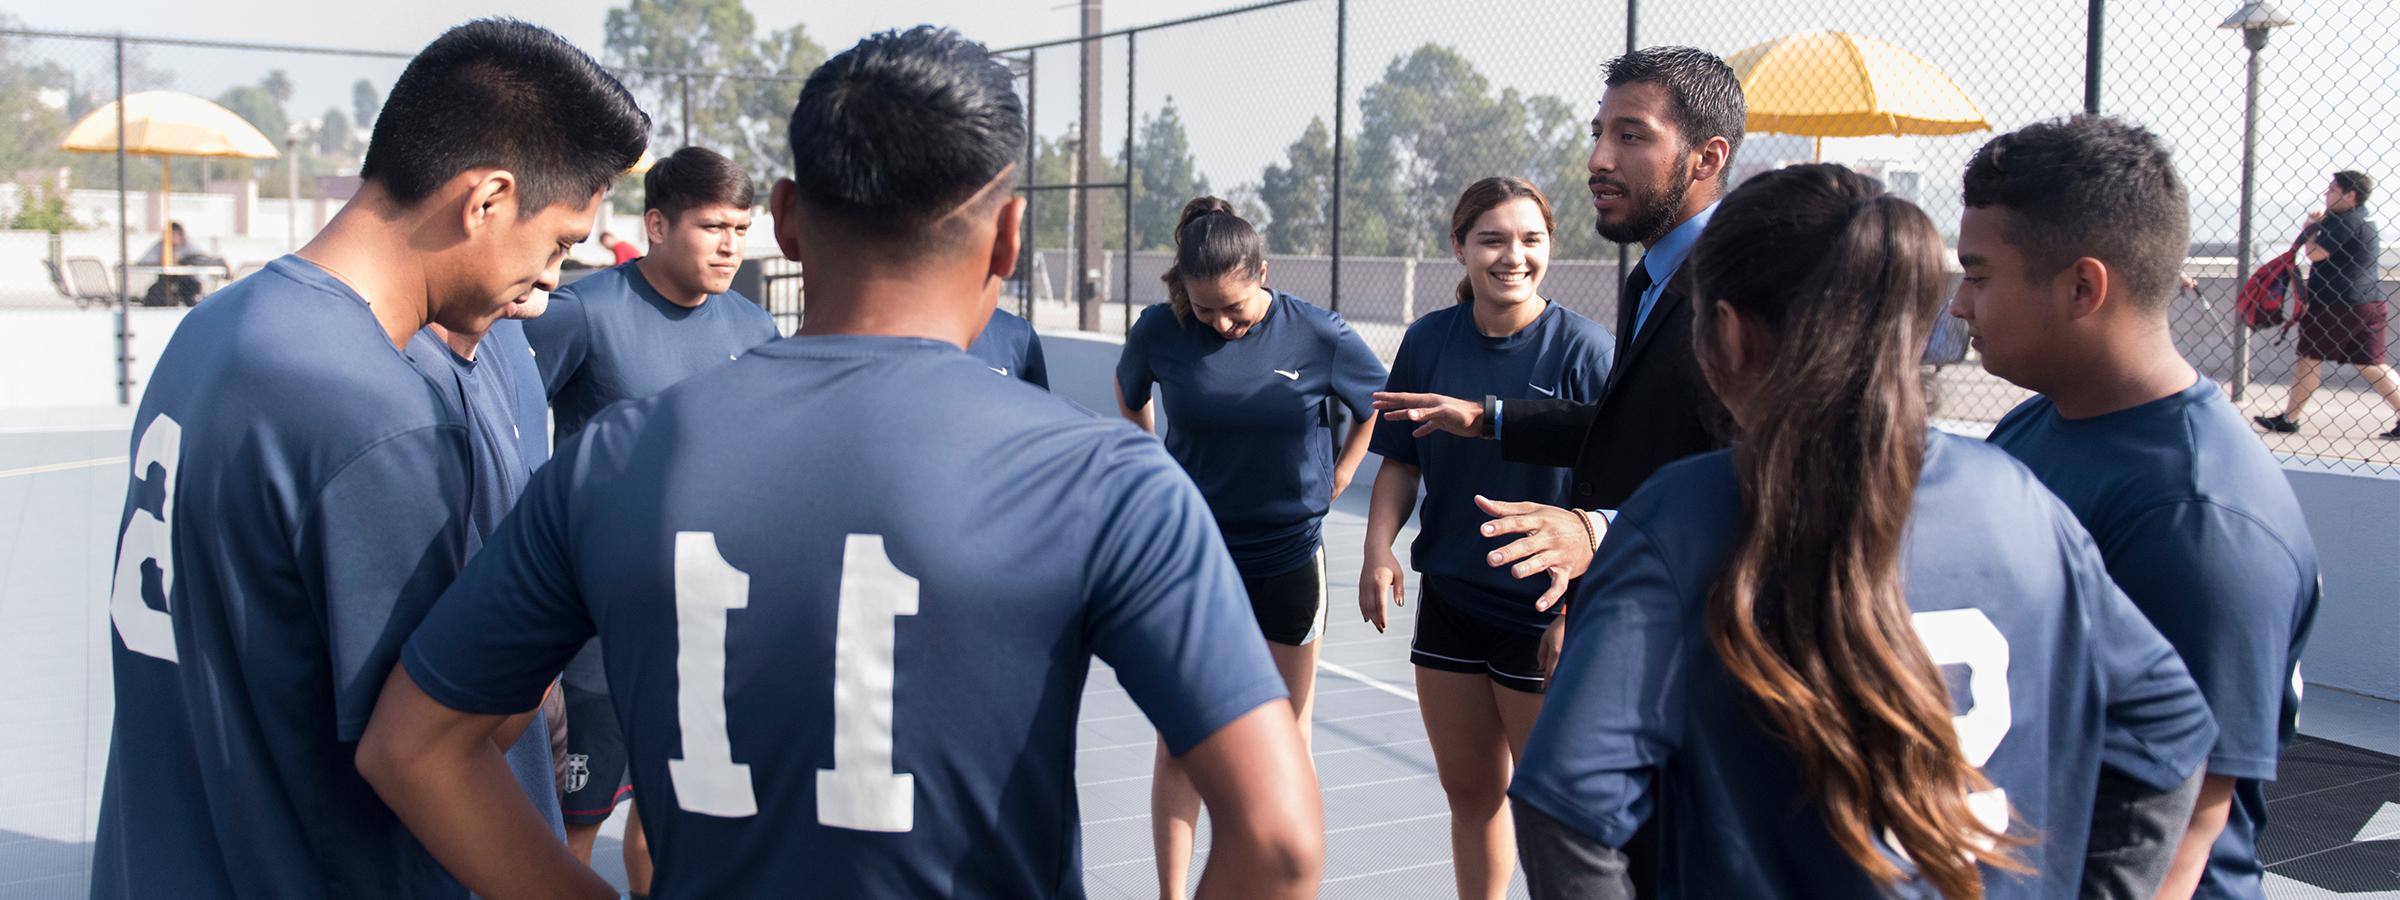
[[1966, 637], [860, 792], [148, 539]]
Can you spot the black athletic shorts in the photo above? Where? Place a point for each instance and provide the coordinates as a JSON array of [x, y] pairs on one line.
[[598, 771], [1450, 639], [1291, 607]]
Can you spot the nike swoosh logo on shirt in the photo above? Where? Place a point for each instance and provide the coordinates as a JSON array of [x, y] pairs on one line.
[[1003, 370], [1293, 374], [1546, 392]]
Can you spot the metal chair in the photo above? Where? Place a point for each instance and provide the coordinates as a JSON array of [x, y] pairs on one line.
[[87, 283]]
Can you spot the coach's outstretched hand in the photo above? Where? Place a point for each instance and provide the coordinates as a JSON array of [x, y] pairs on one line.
[[1433, 412], [1556, 541]]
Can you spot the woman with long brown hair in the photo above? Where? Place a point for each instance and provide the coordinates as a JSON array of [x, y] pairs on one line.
[[1851, 656], [1478, 637], [1250, 378]]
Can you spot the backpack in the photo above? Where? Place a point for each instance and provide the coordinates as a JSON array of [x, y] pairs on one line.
[[2262, 301]]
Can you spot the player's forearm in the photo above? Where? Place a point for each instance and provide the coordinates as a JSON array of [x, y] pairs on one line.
[[1354, 450], [2208, 821], [439, 770], [1388, 506], [466, 808]]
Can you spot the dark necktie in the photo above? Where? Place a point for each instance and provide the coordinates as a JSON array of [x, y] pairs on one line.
[[1629, 305]]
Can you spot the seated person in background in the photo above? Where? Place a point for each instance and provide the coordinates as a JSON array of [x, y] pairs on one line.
[[175, 290]]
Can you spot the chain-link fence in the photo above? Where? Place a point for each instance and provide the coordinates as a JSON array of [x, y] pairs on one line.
[[1345, 129], [1409, 102]]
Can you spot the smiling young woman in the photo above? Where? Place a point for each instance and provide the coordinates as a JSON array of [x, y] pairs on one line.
[[1478, 637]]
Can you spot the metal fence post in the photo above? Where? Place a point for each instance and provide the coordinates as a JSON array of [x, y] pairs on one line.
[[1408, 290], [1341, 97], [1633, 21], [1032, 235], [124, 246], [1125, 271], [2094, 18]]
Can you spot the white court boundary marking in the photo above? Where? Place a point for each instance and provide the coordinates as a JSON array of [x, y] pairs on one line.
[[62, 429], [1370, 681], [62, 467]]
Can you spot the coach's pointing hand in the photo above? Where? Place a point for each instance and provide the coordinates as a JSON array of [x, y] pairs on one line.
[[1433, 412], [1557, 541]]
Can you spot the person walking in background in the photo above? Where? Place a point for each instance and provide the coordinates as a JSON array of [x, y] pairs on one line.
[[2071, 238], [1853, 656], [2344, 323], [1249, 377], [1479, 650]]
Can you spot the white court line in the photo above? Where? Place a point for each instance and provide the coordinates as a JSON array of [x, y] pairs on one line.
[[62, 467], [1444, 814], [1362, 678], [1425, 865], [1321, 754], [1351, 718], [1094, 720], [1087, 823], [62, 429]]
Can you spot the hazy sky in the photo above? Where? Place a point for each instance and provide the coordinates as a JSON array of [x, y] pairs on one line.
[[1248, 85]]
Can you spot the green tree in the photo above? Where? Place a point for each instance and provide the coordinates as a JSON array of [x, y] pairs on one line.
[[741, 87], [1298, 195], [1165, 177], [335, 138], [1429, 127], [365, 103], [42, 206]]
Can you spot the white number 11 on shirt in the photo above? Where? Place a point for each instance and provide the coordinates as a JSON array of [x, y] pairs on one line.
[[860, 792]]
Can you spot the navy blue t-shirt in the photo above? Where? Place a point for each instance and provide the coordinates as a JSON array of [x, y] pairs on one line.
[[1561, 355], [2052, 670], [489, 390], [506, 344], [1252, 419], [296, 504], [1009, 346], [2200, 527], [611, 337], [865, 685]]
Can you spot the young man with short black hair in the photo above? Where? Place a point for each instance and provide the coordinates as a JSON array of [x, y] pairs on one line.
[[300, 493], [631, 331], [2345, 319], [2072, 240], [852, 583]]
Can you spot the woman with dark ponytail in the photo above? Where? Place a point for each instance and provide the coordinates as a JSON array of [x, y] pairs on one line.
[[1851, 656], [1249, 377], [1479, 638]]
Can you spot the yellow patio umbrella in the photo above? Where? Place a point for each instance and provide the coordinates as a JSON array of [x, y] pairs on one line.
[[170, 123], [1825, 84], [642, 166]]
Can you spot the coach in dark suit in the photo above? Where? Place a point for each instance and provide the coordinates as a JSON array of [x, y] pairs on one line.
[[1663, 143]]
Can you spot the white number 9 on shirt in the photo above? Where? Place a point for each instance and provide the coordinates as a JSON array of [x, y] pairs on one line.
[[1966, 637], [149, 539], [860, 792]]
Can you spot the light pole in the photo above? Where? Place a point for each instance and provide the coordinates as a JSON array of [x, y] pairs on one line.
[[2254, 18]]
